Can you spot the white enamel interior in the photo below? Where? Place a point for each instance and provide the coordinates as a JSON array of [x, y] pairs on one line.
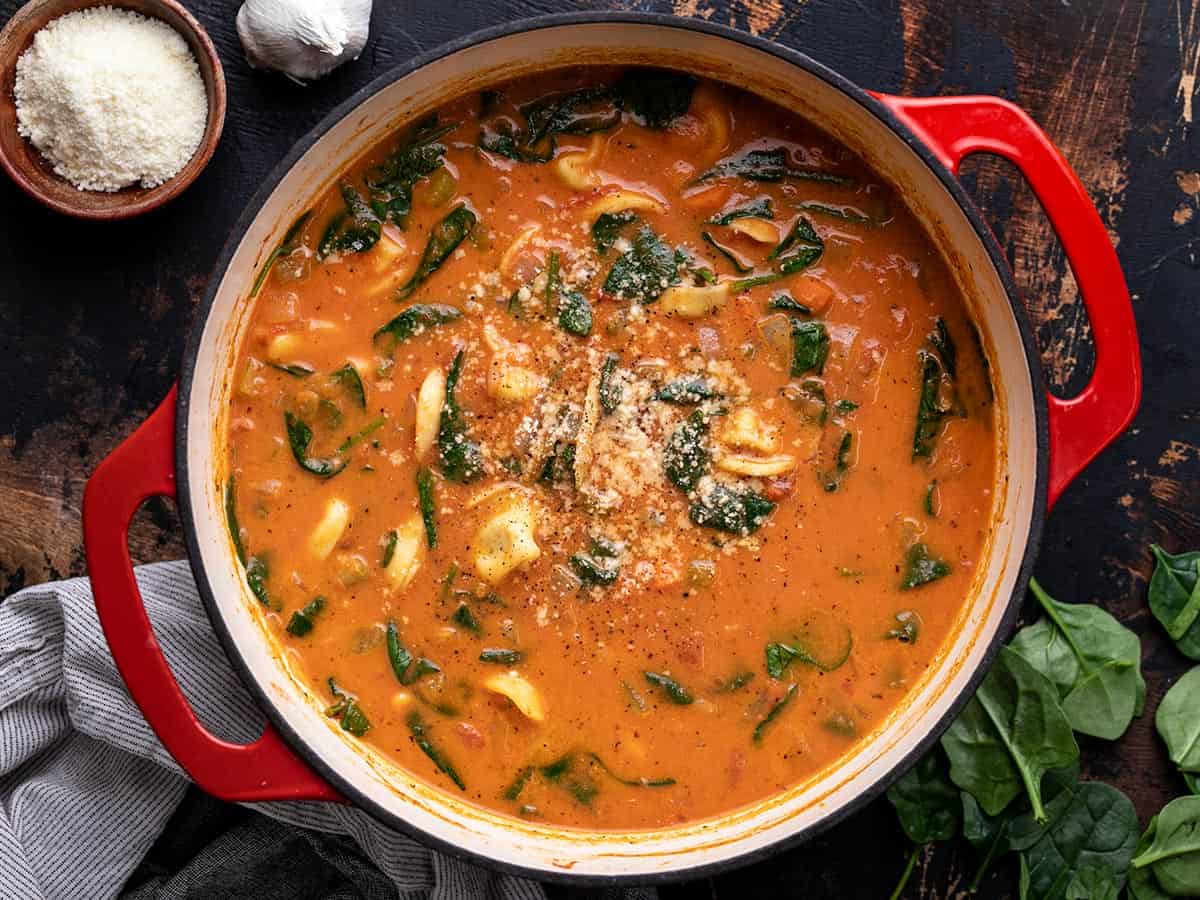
[[527, 845]]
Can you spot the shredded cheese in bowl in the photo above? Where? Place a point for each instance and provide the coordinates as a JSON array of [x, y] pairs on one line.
[[111, 98]]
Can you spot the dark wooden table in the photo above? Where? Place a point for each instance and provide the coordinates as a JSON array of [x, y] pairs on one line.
[[93, 318]]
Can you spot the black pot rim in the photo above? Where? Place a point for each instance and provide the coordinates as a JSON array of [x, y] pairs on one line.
[[871, 106]]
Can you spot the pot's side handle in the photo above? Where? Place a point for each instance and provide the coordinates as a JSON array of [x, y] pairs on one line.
[[1085, 424], [143, 467]]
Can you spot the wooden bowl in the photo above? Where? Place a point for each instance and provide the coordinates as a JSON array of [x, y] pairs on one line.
[[35, 175]]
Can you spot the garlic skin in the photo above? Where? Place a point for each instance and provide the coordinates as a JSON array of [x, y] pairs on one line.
[[303, 39]]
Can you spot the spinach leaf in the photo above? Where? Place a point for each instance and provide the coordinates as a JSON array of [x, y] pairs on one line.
[[444, 239], [1178, 721], [347, 376], [258, 570], [845, 407], [1175, 597], [461, 458], [921, 568], [937, 397], [559, 467], [346, 708], [601, 565], [832, 480], [687, 390], [735, 682], [1174, 851], [407, 669], [799, 249], [1142, 883], [611, 389], [296, 370], [908, 627], [231, 520], [759, 208], [299, 438], [655, 97], [501, 656], [418, 155], [810, 347], [931, 499], [464, 617], [368, 429], [608, 227], [428, 504], [575, 313], [418, 318], [732, 258], [389, 548], [785, 301], [644, 271], [821, 641], [630, 782], [737, 512], [1090, 658], [286, 247], [769, 165], [846, 214], [577, 112], [926, 801], [1085, 853], [809, 399], [675, 692], [686, 459], [774, 713], [1008, 736], [355, 230], [420, 736], [301, 622]]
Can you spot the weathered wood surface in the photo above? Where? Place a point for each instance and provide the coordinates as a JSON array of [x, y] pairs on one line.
[[93, 318]]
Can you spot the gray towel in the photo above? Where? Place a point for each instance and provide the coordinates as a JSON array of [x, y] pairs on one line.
[[86, 788]]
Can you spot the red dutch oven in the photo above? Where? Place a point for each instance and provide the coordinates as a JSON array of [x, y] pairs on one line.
[[916, 145]]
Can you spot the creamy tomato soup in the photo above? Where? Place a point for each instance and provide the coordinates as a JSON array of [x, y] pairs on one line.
[[610, 449]]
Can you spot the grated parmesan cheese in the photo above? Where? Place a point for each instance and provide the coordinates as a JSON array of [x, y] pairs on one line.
[[111, 98]]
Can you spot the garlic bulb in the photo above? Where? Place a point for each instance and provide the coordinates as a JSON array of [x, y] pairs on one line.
[[303, 39]]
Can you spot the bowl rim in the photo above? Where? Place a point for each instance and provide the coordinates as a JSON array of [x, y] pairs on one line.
[[870, 105], [196, 163]]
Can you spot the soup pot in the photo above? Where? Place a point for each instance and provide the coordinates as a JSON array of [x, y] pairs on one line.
[[916, 145]]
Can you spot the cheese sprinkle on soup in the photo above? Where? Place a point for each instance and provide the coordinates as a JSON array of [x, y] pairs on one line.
[[610, 449]]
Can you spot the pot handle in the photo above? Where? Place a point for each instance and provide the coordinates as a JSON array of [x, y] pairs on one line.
[[141, 467], [1082, 426]]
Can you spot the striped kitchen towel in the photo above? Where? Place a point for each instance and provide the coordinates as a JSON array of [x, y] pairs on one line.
[[85, 786]]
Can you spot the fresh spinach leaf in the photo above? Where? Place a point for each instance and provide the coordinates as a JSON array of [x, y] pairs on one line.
[[417, 319], [926, 801], [810, 347], [655, 97], [1142, 883], [299, 438], [674, 691], [460, 457], [428, 504], [1086, 850], [611, 389], [1174, 851], [687, 458], [420, 736], [771, 164], [644, 271], [774, 713], [921, 568], [346, 708], [1008, 736], [286, 247], [688, 390], [301, 622], [737, 512], [354, 230], [608, 227], [1175, 597], [1090, 658], [444, 239], [418, 155], [759, 208], [1178, 721]]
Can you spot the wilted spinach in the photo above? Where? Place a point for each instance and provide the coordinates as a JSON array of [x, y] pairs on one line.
[[428, 504], [416, 727], [687, 458], [644, 271], [674, 691], [356, 229], [444, 239], [418, 155], [771, 164], [655, 97], [460, 457], [285, 247], [759, 208], [938, 395], [737, 512], [687, 390], [774, 713], [300, 436], [608, 227], [921, 568], [301, 622], [417, 319], [346, 708], [810, 347], [610, 387]]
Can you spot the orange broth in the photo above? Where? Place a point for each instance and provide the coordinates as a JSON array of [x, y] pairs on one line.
[[687, 553]]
